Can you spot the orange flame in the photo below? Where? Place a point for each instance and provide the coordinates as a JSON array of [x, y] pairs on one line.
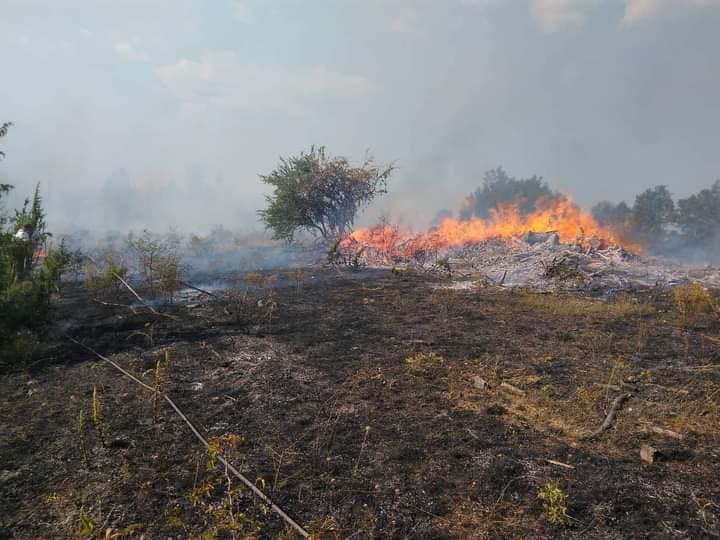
[[505, 221]]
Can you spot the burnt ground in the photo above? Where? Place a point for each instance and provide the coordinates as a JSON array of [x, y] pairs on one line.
[[367, 405]]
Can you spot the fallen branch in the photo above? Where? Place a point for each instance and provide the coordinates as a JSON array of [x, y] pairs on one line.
[[198, 289], [610, 417], [275, 508]]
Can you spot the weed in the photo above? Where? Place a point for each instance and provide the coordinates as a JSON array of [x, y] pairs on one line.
[[691, 301], [157, 387], [554, 501], [82, 427], [362, 447], [97, 416]]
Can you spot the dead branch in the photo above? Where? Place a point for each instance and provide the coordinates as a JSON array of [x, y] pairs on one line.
[[264, 498], [514, 389], [560, 464], [112, 304], [609, 419], [198, 289], [129, 288]]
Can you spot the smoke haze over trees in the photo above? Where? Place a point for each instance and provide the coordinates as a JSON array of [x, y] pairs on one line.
[[689, 227]]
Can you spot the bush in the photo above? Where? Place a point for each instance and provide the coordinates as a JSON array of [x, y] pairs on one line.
[[320, 194]]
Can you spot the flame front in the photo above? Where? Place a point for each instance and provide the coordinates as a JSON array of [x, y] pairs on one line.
[[505, 221]]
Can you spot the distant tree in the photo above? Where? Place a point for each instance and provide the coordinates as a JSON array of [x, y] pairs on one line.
[[320, 194], [613, 215], [698, 216], [652, 212], [498, 187]]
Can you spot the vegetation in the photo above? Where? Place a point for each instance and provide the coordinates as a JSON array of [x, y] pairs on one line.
[[320, 194], [691, 224], [498, 188], [554, 502], [29, 271]]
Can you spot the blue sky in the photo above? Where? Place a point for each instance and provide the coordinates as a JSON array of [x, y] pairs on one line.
[[603, 98]]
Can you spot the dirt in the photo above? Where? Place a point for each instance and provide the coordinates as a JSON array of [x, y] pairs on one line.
[[350, 399]]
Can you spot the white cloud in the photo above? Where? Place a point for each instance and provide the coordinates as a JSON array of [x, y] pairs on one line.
[[131, 50], [640, 10], [556, 15], [242, 13], [222, 78]]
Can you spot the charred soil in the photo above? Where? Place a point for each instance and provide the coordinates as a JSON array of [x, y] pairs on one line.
[[367, 405]]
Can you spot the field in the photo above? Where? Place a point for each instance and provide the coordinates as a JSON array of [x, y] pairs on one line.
[[370, 404]]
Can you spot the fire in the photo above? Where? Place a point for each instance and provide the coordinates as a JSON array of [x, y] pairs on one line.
[[505, 222]]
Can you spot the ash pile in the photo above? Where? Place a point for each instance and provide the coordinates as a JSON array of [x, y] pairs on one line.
[[539, 260]]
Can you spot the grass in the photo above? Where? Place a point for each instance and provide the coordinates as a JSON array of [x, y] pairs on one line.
[[563, 305]]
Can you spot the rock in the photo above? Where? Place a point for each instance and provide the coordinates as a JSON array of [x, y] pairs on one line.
[[647, 453], [480, 383], [196, 386], [120, 443]]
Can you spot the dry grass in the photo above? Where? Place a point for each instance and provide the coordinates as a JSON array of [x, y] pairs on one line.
[[561, 305]]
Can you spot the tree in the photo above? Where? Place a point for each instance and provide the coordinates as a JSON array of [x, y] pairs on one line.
[[320, 194], [498, 188], [652, 212], [698, 216], [3, 131], [612, 215]]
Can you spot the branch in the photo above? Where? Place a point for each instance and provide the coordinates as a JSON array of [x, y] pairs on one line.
[[610, 417], [302, 532]]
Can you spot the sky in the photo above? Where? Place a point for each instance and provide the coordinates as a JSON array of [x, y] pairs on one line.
[[163, 113]]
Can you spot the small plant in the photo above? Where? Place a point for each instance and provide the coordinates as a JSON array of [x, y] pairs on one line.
[[156, 386], [691, 301], [97, 416], [82, 427], [362, 447], [554, 501], [422, 363]]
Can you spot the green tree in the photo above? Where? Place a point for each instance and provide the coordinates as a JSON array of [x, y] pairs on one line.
[[698, 216], [499, 188], [652, 212], [25, 285], [320, 194]]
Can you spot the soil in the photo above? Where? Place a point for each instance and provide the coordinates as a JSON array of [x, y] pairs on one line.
[[366, 404]]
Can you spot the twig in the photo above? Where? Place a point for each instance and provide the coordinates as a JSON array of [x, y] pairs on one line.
[[610, 417], [111, 304], [275, 508], [559, 464]]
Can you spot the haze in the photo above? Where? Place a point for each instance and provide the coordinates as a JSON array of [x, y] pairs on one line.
[[183, 103]]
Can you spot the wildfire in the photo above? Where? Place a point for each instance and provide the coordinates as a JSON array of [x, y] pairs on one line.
[[506, 221]]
